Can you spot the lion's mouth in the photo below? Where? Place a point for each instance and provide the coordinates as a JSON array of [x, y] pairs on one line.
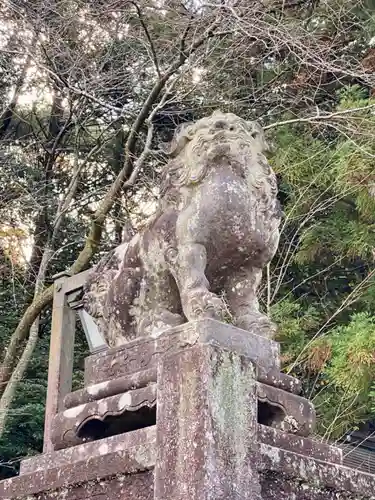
[[224, 134], [221, 148], [221, 142]]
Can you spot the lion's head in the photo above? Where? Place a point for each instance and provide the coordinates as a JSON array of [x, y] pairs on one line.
[[195, 146], [221, 126]]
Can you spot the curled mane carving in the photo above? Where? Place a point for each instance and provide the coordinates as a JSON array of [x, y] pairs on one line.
[[181, 171], [190, 159]]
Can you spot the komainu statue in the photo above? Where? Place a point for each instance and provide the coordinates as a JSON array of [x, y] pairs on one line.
[[202, 253]]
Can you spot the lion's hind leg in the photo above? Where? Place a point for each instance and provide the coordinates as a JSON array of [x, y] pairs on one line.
[[158, 305], [241, 292]]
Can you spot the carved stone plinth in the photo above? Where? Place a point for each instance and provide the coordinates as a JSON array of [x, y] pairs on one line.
[[201, 412], [144, 353], [207, 425]]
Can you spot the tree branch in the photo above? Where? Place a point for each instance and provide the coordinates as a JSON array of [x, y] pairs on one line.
[[147, 33], [95, 232], [319, 117]]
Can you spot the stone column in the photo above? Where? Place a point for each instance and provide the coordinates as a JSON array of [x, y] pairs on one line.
[[206, 426]]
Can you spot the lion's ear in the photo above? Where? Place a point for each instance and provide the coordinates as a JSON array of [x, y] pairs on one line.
[[254, 128], [183, 134], [257, 133], [165, 147]]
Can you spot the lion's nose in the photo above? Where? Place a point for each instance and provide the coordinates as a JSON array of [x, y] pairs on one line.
[[221, 124]]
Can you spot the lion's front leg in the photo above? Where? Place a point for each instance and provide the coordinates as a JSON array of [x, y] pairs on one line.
[[241, 292], [188, 270]]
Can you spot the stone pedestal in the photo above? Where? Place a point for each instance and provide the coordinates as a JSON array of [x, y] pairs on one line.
[[207, 425], [201, 412]]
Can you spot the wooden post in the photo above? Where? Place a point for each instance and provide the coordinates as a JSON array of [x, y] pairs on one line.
[[60, 368]]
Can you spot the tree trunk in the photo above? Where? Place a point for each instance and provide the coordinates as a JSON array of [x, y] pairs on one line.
[[41, 254], [7, 115], [19, 371]]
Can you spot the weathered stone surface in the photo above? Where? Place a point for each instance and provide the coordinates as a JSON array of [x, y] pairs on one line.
[[278, 379], [278, 486], [301, 445], [206, 430], [121, 487], [144, 353], [297, 414], [102, 390], [260, 350], [213, 384], [139, 441], [92, 469], [215, 229], [70, 427], [317, 473], [140, 379], [137, 355], [207, 444]]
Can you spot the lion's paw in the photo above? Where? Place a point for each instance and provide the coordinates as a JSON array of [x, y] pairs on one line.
[[204, 304], [257, 323], [159, 321]]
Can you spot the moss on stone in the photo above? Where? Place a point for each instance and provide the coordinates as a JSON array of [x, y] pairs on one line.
[[231, 386]]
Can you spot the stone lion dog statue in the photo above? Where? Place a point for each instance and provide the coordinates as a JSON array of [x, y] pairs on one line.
[[202, 253]]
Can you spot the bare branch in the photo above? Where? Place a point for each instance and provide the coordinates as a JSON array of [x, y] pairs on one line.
[[321, 117], [147, 33]]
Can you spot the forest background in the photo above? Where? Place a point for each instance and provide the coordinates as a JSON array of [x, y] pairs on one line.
[[90, 89]]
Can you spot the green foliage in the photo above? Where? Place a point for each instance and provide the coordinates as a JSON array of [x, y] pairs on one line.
[[24, 431], [352, 365], [296, 325], [337, 368], [347, 372], [325, 304]]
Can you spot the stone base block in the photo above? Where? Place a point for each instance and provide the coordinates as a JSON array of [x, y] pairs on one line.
[[141, 442], [105, 417], [285, 476], [301, 445], [121, 390], [206, 431], [212, 385], [124, 474], [142, 354], [128, 474], [285, 411], [282, 487]]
